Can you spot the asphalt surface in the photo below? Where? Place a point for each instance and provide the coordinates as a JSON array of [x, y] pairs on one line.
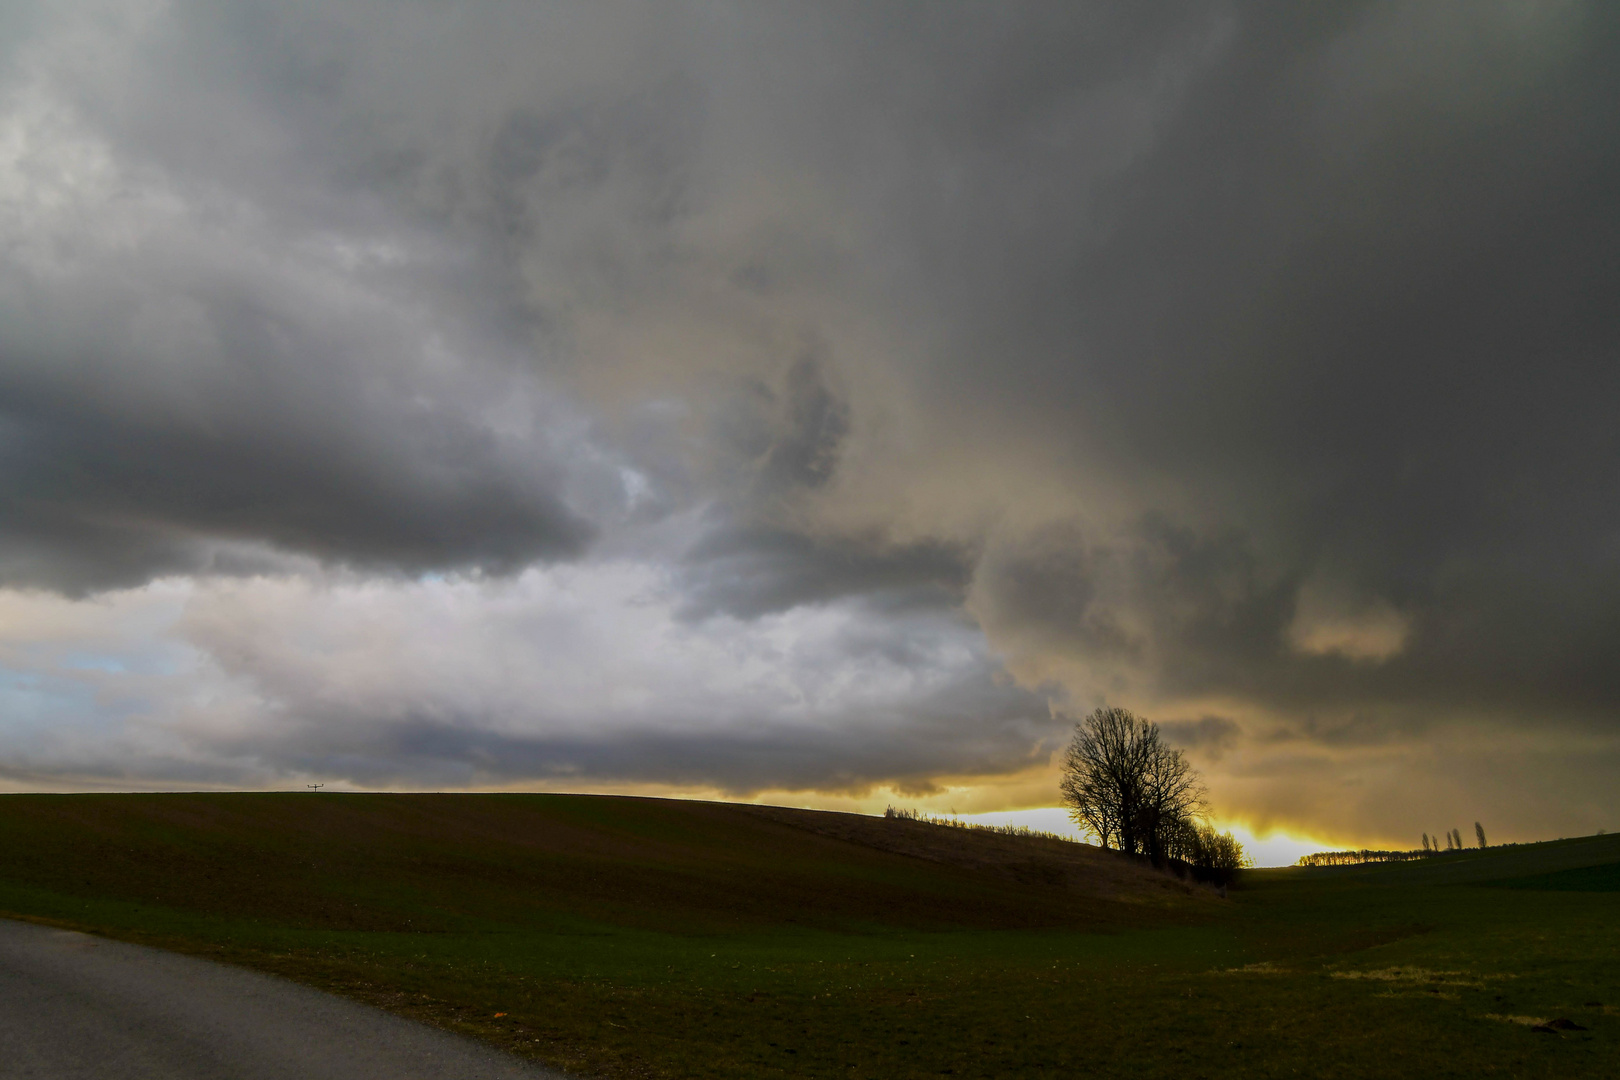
[[75, 1007]]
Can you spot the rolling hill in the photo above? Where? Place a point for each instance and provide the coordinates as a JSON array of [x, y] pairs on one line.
[[646, 938]]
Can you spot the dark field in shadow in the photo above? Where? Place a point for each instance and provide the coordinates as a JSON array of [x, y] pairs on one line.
[[643, 937]]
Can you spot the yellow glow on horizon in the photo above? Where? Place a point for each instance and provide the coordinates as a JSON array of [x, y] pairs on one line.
[[1013, 800], [1275, 847]]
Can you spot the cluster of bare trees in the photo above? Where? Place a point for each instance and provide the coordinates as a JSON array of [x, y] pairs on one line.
[[1134, 792], [1217, 856]]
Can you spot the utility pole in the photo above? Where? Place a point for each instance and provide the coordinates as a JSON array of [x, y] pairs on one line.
[[314, 787]]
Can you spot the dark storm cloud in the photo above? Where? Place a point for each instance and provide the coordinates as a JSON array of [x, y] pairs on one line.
[[1253, 362], [751, 560], [1208, 736], [1345, 313], [817, 422], [203, 351], [108, 479], [750, 572], [95, 496]]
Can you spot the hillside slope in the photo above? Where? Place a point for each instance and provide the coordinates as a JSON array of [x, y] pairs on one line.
[[443, 862], [642, 939]]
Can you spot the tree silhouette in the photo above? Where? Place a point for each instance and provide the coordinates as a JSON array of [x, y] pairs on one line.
[[1479, 831], [1126, 787]]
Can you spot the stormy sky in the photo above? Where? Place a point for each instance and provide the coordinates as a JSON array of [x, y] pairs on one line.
[[817, 402]]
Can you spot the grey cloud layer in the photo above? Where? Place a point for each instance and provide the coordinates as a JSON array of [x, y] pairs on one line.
[[580, 674], [1250, 364]]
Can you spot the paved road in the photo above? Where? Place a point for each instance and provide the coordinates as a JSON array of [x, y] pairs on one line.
[[74, 1007]]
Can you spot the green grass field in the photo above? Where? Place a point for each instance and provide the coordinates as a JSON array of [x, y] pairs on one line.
[[646, 938]]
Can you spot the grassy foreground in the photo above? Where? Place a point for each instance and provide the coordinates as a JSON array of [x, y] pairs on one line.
[[635, 937]]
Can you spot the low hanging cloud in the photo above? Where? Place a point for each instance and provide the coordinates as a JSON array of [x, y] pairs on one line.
[[1247, 366], [572, 673]]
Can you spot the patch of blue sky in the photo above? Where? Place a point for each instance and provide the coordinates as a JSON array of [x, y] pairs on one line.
[[29, 700], [104, 662], [157, 656], [85, 692]]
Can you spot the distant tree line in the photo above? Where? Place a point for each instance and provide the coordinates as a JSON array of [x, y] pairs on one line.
[[1362, 855], [1431, 847], [1135, 793]]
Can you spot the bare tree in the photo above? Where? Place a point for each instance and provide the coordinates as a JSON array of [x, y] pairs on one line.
[[1172, 798], [1479, 831], [1101, 777], [1126, 787], [1425, 841]]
